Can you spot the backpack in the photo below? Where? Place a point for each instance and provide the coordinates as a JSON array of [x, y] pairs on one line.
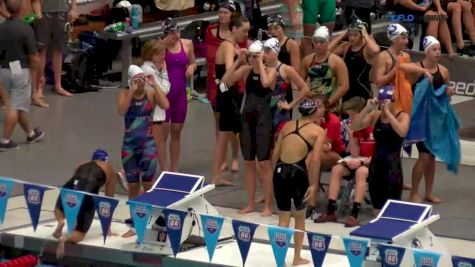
[[79, 69]]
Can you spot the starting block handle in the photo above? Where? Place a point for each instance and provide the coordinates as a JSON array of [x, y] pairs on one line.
[[417, 227]]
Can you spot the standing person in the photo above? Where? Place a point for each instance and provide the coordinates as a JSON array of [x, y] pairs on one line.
[[327, 72], [153, 56], [299, 140], [256, 132], [139, 152], [390, 126], [228, 102], [18, 55], [180, 59], [425, 164], [360, 8], [358, 53], [216, 33], [50, 30], [292, 15], [321, 11]]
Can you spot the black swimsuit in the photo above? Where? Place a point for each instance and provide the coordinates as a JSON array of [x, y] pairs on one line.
[[291, 179], [89, 177], [284, 57]]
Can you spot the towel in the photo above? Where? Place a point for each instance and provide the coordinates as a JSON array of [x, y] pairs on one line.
[[434, 122], [402, 87]]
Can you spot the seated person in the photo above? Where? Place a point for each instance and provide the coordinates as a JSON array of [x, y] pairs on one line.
[[88, 177], [360, 148], [460, 13]]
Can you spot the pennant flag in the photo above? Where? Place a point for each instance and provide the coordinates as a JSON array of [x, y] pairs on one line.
[[6, 186], [391, 256], [279, 239], [355, 251], [462, 262], [244, 233], [140, 214], [424, 258], [72, 201], [34, 199], [105, 208], [319, 244], [211, 228], [174, 221]]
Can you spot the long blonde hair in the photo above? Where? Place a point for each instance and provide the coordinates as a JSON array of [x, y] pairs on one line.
[[150, 48]]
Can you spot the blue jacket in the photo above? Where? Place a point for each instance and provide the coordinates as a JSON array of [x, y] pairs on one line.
[[434, 122]]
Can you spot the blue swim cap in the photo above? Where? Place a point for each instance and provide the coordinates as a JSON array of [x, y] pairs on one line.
[[101, 155]]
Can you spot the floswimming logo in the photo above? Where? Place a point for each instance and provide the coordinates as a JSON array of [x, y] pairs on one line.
[[464, 264], [34, 197], [318, 243], [140, 211], [280, 239], [105, 209], [174, 221], [355, 248], [427, 261], [244, 233], [212, 226], [71, 200], [3, 190], [390, 257]]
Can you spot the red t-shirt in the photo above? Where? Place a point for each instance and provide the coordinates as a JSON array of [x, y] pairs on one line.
[[366, 141], [333, 126]]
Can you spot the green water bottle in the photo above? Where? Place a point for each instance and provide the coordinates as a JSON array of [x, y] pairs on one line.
[[28, 19], [116, 27], [189, 88]]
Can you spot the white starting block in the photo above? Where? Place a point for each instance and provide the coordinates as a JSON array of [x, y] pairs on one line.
[[176, 191], [402, 224]]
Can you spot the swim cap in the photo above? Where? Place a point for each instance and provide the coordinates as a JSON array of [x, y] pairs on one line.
[[272, 44], [357, 24], [255, 47], [100, 155], [386, 93], [307, 107], [229, 5], [322, 33], [428, 42], [276, 20], [169, 25], [133, 71], [395, 30]]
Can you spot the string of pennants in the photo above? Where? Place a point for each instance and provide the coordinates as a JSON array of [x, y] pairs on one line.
[[280, 237]]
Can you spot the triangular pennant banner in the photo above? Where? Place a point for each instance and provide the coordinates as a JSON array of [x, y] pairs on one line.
[[211, 228], [462, 262], [105, 208], [244, 233], [140, 214], [424, 258], [355, 251], [72, 201], [6, 186], [319, 244], [34, 199], [391, 256], [280, 239], [174, 221]]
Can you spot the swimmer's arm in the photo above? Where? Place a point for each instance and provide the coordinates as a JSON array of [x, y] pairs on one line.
[[123, 101], [336, 47], [412, 5], [160, 98], [365, 119], [353, 146], [341, 72], [400, 124], [381, 79], [315, 160], [305, 65], [36, 6], [277, 148], [268, 76], [235, 73], [3, 10], [302, 86], [412, 69], [191, 58], [371, 49], [294, 51]]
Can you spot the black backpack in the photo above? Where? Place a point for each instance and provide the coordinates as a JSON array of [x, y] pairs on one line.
[[79, 69]]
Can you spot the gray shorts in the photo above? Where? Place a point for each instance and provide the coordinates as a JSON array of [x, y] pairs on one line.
[[17, 88], [50, 30]]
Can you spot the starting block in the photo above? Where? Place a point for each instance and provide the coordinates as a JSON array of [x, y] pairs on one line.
[[402, 224], [180, 192]]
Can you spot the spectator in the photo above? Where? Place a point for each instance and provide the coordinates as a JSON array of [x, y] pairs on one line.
[[215, 34], [361, 9], [461, 11], [18, 54], [180, 59], [292, 16], [390, 126], [358, 54], [321, 11], [51, 33], [327, 72], [355, 166], [425, 165]]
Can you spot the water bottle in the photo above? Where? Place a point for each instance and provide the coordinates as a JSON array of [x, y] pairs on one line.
[[116, 27], [136, 16], [259, 35], [189, 87]]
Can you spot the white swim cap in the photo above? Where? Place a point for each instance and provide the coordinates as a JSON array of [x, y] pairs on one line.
[[273, 44], [124, 3], [322, 33], [255, 48], [395, 30], [428, 42], [134, 70]]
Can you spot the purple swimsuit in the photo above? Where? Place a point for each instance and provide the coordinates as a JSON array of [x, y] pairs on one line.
[[176, 67]]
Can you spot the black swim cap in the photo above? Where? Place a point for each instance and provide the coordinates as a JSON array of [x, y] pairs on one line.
[[307, 107]]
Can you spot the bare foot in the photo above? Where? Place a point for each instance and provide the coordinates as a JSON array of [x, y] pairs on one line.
[[62, 92], [266, 213], [247, 209], [60, 249], [59, 230], [433, 199], [406, 186], [300, 261], [259, 200], [235, 165], [416, 198], [129, 233], [224, 166], [37, 101], [222, 182]]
